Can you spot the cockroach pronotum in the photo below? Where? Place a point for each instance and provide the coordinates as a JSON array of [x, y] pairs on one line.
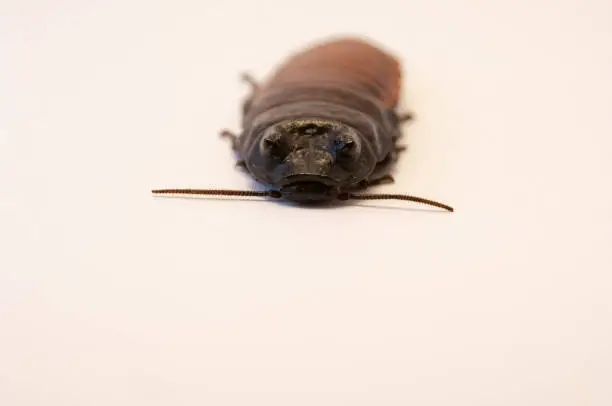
[[324, 127]]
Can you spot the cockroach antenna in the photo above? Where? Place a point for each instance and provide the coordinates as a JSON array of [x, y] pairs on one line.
[[277, 195]]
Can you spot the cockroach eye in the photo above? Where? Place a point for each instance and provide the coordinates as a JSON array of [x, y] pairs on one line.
[[272, 145], [347, 149]]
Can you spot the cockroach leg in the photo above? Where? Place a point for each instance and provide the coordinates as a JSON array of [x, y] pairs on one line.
[[228, 134], [383, 180], [232, 136], [248, 78], [241, 165], [405, 117]]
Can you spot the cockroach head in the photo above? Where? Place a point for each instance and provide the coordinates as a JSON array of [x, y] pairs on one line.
[[310, 158]]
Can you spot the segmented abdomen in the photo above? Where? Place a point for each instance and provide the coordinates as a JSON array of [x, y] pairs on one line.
[[349, 72]]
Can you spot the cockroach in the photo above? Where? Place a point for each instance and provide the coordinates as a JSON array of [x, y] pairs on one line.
[[325, 126]]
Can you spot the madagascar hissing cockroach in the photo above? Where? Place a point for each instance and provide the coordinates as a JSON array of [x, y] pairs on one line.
[[323, 127]]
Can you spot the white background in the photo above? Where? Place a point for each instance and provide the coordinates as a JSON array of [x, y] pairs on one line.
[[109, 296]]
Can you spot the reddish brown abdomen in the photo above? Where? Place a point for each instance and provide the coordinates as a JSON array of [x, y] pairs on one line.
[[345, 71]]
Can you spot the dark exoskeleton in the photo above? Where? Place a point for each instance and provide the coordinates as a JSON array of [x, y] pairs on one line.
[[325, 122]]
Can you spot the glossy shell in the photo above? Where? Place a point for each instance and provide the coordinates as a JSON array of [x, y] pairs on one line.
[[339, 66]]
